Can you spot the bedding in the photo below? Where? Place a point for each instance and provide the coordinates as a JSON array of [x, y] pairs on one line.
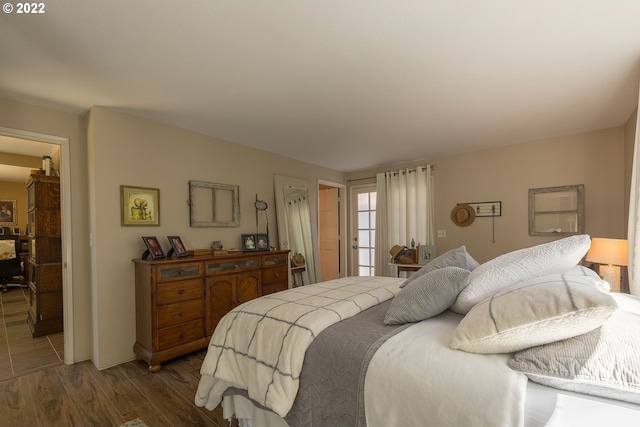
[[535, 312], [604, 362], [520, 265], [259, 346], [323, 354]]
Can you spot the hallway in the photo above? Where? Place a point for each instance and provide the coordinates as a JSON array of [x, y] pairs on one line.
[[19, 352]]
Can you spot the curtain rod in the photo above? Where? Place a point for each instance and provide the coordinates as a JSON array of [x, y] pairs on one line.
[[433, 167]]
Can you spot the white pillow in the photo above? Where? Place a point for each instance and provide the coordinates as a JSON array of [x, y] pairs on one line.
[[453, 258], [538, 311], [427, 296], [518, 266], [581, 270], [604, 362]]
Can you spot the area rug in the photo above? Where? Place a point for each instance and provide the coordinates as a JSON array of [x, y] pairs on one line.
[[134, 423]]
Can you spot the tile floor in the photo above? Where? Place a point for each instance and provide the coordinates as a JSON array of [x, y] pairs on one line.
[[20, 353]]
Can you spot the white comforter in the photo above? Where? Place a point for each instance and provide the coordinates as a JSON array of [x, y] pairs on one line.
[[416, 379], [260, 345]]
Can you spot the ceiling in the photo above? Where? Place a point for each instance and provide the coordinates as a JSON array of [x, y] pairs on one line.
[[344, 84], [24, 147]]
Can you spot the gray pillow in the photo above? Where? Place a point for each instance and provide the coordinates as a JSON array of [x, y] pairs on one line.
[[453, 258], [604, 362], [427, 296]]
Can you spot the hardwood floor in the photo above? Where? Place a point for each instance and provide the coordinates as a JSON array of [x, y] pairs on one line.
[[20, 353], [55, 394]]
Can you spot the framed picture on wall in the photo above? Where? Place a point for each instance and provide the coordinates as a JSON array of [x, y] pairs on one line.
[[8, 213], [139, 205]]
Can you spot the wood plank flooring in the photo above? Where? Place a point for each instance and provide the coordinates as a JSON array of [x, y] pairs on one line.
[[48, 393], [20, 353]]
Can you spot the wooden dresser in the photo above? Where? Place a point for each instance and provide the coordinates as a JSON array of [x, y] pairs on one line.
[[180, 301], [44, 262]]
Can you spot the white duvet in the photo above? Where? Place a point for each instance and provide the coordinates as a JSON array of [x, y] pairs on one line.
[[415, 379]]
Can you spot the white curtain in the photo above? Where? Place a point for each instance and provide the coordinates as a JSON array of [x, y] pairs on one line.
[[404, 211], [633, 233], [300, 234]]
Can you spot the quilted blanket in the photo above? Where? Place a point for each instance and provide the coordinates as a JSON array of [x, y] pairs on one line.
[[260, 345]]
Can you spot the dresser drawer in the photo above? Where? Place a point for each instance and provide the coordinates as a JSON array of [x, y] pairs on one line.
[[275, 274], [169, 293], [233, 265], [272, 288], [171, 273], [180, 334], [174, 314], [274, 259]]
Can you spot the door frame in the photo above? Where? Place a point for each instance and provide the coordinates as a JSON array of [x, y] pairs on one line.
[[65, 203], [353, 230], [342, 211]]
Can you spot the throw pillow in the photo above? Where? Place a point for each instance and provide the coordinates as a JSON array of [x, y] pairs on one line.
[[518, 266], [538, 311], [604, 362], [453, 258], [427, 296]]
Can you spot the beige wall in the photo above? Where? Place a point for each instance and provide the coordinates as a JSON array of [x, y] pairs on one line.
[[131, 151], [26, 117], [505, 174]]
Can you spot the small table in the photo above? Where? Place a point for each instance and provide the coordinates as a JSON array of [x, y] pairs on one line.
[[409, 268], [296, 272]]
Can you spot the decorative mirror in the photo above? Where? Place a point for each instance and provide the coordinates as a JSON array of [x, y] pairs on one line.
[[556, 211], [294, 208], [214, 205]]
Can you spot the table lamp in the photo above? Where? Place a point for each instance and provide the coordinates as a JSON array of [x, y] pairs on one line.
[[610, 254]]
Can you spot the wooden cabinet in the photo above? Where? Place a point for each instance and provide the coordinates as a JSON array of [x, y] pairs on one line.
[[44, 262], [180, 301]]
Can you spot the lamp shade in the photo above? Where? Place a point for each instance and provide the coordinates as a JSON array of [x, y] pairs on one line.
[[608, 251]]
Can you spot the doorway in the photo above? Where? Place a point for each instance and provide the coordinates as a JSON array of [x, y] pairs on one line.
[[363, 220], [331, 223], [22, 143]]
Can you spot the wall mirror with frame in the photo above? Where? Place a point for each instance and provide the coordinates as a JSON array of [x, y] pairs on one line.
[[295, 209], [556, 211], [214, 205]]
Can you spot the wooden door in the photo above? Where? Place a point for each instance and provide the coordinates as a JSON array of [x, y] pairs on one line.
[[329, 232]]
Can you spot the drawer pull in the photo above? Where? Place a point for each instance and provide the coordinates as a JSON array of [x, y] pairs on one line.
[[180, 272], [182, 313], [277, 275], [235, 265], [181, 292], [182, 335]]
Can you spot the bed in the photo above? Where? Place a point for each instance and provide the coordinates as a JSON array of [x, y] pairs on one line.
[[529, 339]]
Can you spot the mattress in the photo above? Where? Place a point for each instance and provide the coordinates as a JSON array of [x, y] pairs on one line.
[[549, 407]]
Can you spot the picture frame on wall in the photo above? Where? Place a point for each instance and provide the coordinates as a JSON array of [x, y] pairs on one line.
[[177, 247], [139, 206], [154, 250], [426, 253], [8, 212], [249, 243]]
